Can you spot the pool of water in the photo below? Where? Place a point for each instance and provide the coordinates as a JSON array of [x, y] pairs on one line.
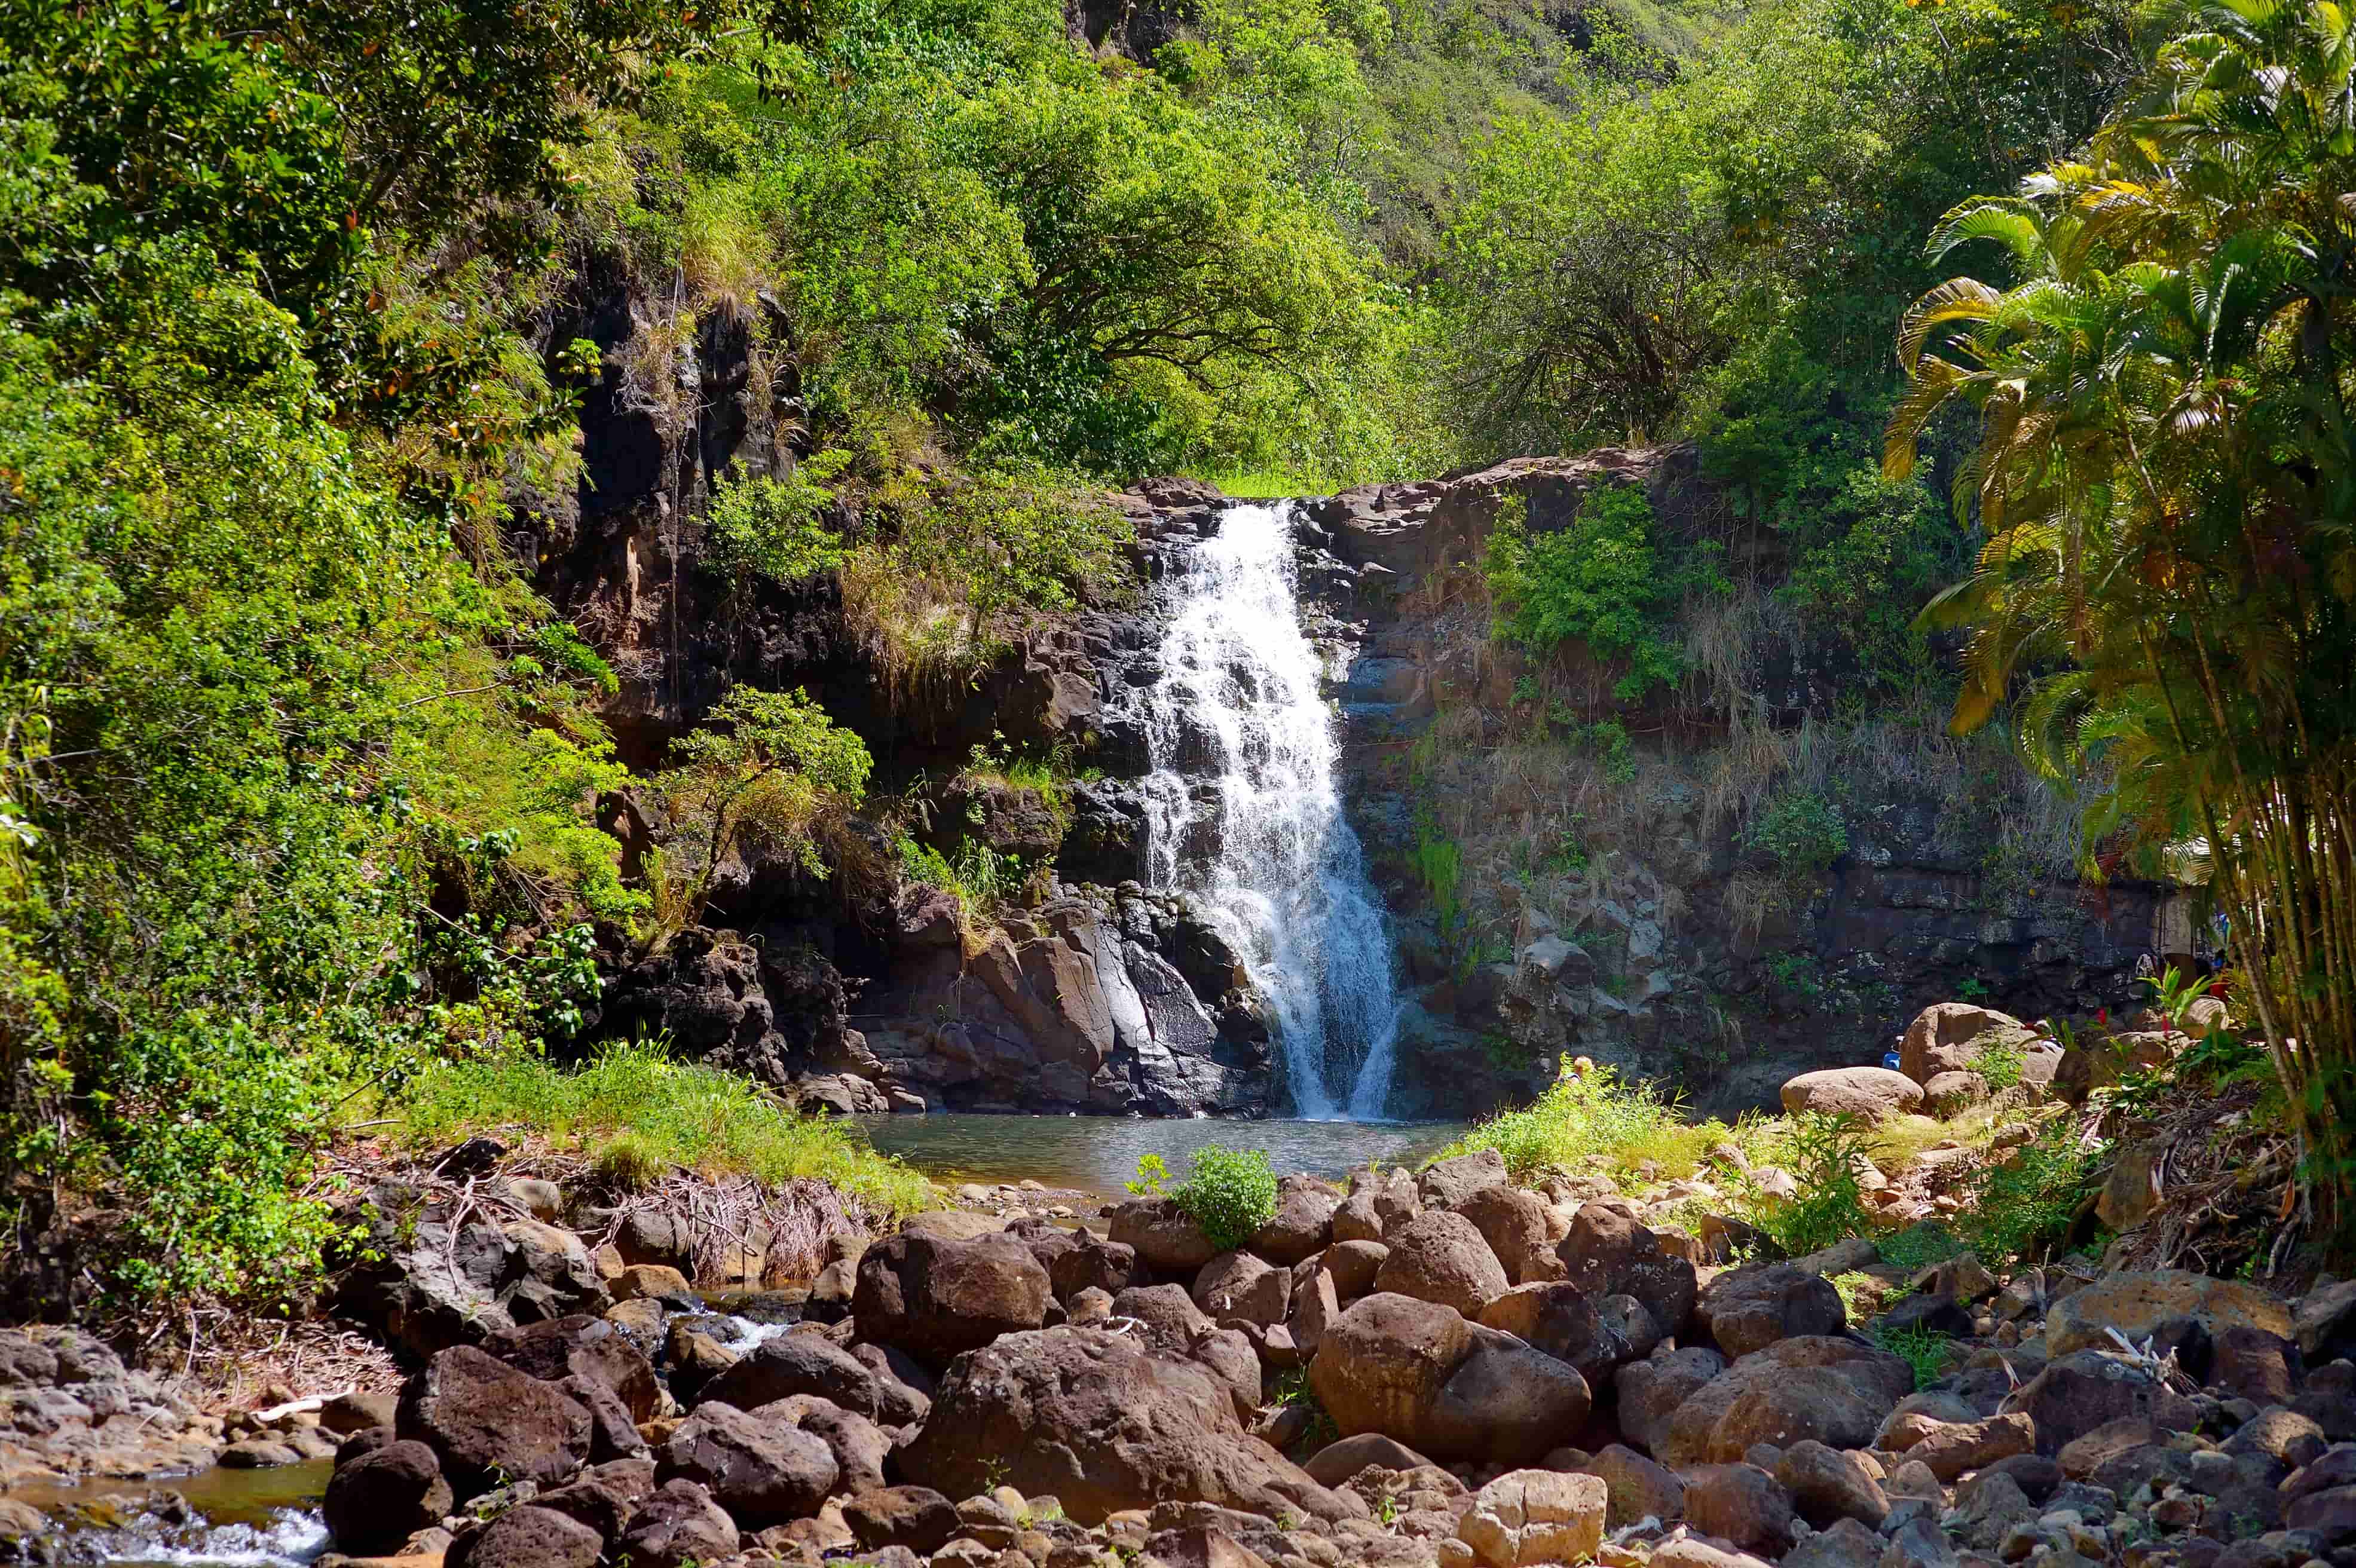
[[1097, 1154], [214, 1519]]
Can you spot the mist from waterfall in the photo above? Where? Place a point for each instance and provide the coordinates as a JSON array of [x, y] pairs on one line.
[[1243, 813]]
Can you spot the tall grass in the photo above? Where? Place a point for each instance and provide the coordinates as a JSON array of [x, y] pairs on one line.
[[637, 1115], [1595, 1113]]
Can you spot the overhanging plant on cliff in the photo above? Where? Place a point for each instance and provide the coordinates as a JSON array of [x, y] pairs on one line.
[[2167, 476]]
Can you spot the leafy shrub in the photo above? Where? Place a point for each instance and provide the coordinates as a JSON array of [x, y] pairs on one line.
[[2002, 1063], [1802, 833], [766, 769], [981, 877], [1582, 1114], [1821, 1152], [1231, 1193], [774, 526], [1599, 581], [1152, 1175], [2019, 1211]]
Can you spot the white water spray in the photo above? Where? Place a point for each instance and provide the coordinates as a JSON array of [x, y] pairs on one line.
[[1242, 812]]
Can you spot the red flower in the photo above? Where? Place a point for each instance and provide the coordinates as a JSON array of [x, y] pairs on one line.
[[2102, 1017]]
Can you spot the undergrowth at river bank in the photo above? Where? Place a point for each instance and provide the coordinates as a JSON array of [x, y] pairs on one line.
[[637, 1116]]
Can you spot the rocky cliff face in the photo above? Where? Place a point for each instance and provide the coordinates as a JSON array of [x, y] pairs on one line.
[[863, 992], [1657, 956]]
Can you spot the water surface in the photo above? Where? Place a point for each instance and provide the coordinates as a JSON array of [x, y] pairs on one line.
[[1097, 1154], [233, 1518]]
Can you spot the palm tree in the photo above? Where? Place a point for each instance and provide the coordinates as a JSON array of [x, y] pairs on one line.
[[2167, 482]]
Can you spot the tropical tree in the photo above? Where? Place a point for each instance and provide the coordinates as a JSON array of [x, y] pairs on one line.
[[2167, 479]]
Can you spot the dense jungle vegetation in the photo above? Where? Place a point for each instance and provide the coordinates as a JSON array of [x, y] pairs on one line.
[[276, 280]]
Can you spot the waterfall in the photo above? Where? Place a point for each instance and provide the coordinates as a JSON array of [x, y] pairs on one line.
[[1243, 813]]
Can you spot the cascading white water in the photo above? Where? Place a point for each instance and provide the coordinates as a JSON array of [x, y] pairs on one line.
[[1242, 812]]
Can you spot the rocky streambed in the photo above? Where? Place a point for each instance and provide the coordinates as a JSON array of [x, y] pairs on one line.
[[1414, 1369]]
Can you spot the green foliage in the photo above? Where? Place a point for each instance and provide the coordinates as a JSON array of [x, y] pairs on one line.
[[2022, 1209], [1925, 1351], [1599, 581], [1231, 1193], [1592, 1112], [637, 1111], [775, 527], [981, 877], [1821, 1152], [1918, 1245], [1799, 833], [2002, 1063], [1859, 1293], [765, 770], [1151, 1174]]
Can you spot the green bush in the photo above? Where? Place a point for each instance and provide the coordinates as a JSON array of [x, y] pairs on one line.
[[2018, 1212], [1231, 1193], [1591, 1113], [1802, 833], [1600, 581], [1925, 1351], [2001, 1064], [1821, 1152], [1918, 1245]]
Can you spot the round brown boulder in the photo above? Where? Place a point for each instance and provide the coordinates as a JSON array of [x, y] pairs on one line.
[[1512, 1221], [1556, 1317], [1747, 1309], [381, 1498], [1417, 1371], [1303, 1223], [1164, 1237], [2138, 1301], [1868, 1093], [1652, 1389], [1945, 1037], [491, 1424], [1835, 1391], [1743, 1504], [1636, 1488], [582, 1346], [1092, 1419], [762, 1472], [529, 1537], [678, 1525], [935, 1298], [1607, 1253], [1441, 1257], [1238, 1284]]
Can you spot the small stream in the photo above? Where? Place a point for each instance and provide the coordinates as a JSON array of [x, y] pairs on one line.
[[215, 1519], [1097, 1154]]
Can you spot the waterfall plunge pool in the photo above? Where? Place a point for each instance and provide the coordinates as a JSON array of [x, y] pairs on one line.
[[1097, 1154]]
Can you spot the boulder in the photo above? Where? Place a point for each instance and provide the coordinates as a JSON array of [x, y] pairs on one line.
[[1445, 1183], [612, 1433], [1441, 1257], [1868, 1093], [2084, 1388], [1417, 1371], [1608, 1253], [1303, 1223], [1528, 1517], [1835, 1391], [1945, 1037], [1743, 1504], [1951, 1093], [1091, 1418], [858, 1445], [1315, 1304], [796, 1363], [582, 1346], [381, 1498], [1172, 1322], [1747, 1309], [1556, 1317], [1353, 1265], [1636, 1489], [677, 1525], [1334, 1464], [652, 1282], [1848, 1545], [1238, 1284], [1090, 1263], [1164, 1237], [1356, 1219], [762, 1472], [489, 1425], [1826, 1485], [917, 1517], [2136, 1302], [603, 1497], [1651, 1391], [1512, 1221], [1951, 1449], [936, 1299], [529, 1537]]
